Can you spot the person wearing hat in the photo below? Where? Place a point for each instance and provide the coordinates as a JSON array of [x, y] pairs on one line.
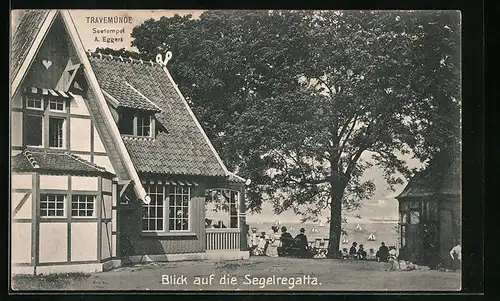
[[301, 243], [286, 242]]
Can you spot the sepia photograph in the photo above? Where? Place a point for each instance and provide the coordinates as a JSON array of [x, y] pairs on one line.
[[235, 150]]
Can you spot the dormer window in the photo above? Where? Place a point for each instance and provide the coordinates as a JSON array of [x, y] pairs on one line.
[[34, 102], [57, 105], [144, 122], [135, 123]]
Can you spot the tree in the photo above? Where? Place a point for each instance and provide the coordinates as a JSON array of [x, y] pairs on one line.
[[294, 99]]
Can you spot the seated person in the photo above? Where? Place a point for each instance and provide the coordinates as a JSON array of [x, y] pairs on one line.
[[361, 252], [352, 251], [382, 253], [286, 242], [344, 253], [253, 240], [260, 250], [393, 254], [371, 254], [301, 244]]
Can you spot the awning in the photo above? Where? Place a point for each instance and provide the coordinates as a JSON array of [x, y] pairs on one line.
[[48, 92], [169, 182]]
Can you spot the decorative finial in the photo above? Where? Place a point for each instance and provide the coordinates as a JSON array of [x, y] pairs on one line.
[[131, 59], [100, 55], [140, 60], [151, 62], [121, 59], [161, 61], [110, 56]]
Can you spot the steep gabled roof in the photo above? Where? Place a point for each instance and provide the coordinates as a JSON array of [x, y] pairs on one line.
[[181, 146], [30, 23]]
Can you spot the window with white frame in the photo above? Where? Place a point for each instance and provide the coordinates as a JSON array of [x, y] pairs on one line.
[[82, 205], [56, 132], [171, 202], [57, 105], [143, 125], [52, 205], [152, 213], [221, 209], [178, 207], [34, 102]]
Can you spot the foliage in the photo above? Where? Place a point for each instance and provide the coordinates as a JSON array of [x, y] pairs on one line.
[[296, 100]]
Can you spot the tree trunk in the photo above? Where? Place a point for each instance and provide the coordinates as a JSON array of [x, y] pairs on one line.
[[335, 220]]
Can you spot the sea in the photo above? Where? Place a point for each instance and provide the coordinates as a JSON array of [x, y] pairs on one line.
[[383, 232]]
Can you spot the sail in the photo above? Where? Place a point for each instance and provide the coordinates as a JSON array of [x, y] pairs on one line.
[[358, 228]]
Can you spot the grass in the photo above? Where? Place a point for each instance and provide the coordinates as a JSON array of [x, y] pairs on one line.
[[46, 282]]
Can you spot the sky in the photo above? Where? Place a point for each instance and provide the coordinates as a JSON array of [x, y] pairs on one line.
[[382, 204]]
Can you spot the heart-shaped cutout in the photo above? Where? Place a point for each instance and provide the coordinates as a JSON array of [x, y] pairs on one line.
[[47, 64]]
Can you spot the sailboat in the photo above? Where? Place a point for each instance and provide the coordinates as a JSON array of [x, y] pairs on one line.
[[314, 230], [345, 241], [358, 228], [372, 237], [321, 224], [277, 222]]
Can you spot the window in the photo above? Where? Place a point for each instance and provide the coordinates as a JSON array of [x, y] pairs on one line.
[[34, 102], [221, 209], [126, 122], [170, 201], [52, 205], [33, 131], [82, 205], [144, 125], [136, 124], [56, 132], [57, 105], [414, 217], [178, 218], [152, 213]]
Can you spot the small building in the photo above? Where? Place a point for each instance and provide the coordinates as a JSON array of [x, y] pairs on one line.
[[430, 213], [109, 163]]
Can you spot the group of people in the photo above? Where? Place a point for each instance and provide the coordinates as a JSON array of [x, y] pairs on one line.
[[384, 253], [275, 244]]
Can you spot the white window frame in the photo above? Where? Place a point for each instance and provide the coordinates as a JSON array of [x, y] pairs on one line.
[[229, 215], [86, 202], [56, 101], [34, 98], [171, 198], [139, 128], [148, 206], [47, 195], [63, 138]]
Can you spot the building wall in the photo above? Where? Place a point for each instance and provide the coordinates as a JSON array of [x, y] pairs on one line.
[[450, 227], [134, 242], [46, 240]]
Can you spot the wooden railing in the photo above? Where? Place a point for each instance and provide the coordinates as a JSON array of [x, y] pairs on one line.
[[223, 239]]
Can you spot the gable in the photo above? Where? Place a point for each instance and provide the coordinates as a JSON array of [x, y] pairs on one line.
[[54, 60]]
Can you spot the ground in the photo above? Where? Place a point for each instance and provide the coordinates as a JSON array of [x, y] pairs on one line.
[[331, 275]]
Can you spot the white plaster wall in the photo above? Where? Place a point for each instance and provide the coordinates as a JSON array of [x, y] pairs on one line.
[[104, 161], [113, 245], [106, 210], [53, 182], [83, 241], [113, 219], [106, 185], [17, 129], [21, 243], [53, 242], [78, 106], [22, 181], [85, 157], [25, 211], [98, 146], [84, 183], [17, 101], [80, 134], [106, 241]]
